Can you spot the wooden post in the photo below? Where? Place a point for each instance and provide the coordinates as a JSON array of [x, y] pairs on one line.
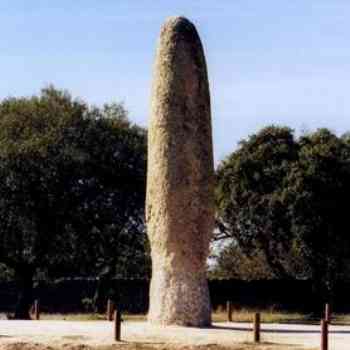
[[324, 335], [110, 309], [229, 311], [256, 328], [36, 310], [117, 325], [327, 313]]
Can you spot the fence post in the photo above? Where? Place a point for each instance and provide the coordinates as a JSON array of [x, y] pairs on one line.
[[324, 335], [117, 325], [36, 310], [327, 313], [229, 311], [110, 307], [256, 328]]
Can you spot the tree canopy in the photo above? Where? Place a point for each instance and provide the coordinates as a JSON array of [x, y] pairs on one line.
[[285, 199], [72, 179]]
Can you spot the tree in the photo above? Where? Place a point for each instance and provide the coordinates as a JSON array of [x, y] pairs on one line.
[[111, 213], [5, 273], [65, 183], [319, 188], [231, 263], [286, 199], [250, 196]]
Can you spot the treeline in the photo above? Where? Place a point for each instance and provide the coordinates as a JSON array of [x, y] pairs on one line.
[[72, 185], [75, 295], [283, 203]]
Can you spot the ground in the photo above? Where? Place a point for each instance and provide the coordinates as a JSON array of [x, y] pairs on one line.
[[21, 346], [78, 335], [280, 331]]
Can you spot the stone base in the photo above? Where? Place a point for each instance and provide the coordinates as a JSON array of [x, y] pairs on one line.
[[179, 299]]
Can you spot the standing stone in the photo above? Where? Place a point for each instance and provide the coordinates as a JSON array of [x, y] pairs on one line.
[[179, 205]]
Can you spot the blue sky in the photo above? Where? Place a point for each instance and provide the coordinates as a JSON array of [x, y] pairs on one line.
[[270, 62]]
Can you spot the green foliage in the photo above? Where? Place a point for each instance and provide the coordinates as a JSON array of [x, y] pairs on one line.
[[232, 263], [319, 189], [251, 196], [72, 180], [33, 176], [286, 199], [6, 274]]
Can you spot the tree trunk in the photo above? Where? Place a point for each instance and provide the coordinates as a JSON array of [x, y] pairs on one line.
[[24, 279], [103, 291]]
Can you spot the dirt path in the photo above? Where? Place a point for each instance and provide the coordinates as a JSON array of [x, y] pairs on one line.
[[68, 334]]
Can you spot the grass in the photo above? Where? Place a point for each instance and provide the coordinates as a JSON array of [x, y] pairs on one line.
[[88, 317], [267, 316], [242, 315], [277, 316], [238, 315]]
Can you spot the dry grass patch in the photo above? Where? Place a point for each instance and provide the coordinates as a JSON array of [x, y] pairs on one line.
[[238, 315], [89, 317], [29, 346], [242, 315], [267, 316]]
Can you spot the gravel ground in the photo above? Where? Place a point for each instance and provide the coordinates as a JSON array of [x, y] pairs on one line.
[[100, 333]]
